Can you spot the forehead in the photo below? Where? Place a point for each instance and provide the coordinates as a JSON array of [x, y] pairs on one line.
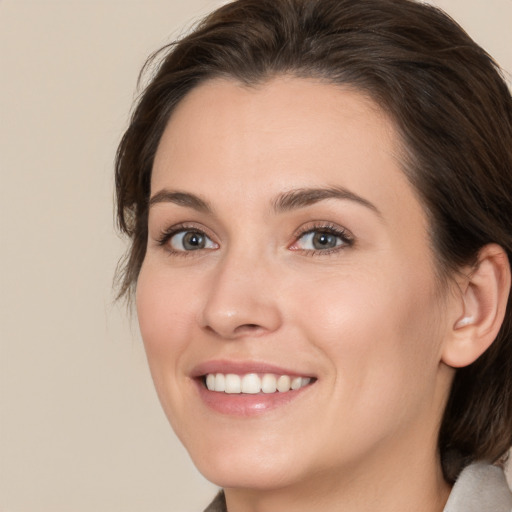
[[293, 109], [227, 138]]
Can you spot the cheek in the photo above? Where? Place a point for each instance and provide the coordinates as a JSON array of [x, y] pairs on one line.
[[165, 310], [380, 334], [164, 314]]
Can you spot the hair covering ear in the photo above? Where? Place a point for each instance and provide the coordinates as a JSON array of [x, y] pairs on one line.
[[484, 294]]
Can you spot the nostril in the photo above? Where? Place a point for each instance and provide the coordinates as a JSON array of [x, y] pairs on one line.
[[240, 330], [247, 328], [229, 316]]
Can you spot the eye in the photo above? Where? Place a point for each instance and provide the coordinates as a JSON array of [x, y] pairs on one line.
[[318, 240], [188, 240], [322, 239]]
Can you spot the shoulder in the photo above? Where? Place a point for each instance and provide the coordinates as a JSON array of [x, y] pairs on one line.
[[480, 487]]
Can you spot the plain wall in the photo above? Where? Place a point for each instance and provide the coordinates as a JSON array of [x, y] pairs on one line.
[[80, 425]]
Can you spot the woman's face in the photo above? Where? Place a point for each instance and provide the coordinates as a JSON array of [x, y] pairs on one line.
[[286, 248]]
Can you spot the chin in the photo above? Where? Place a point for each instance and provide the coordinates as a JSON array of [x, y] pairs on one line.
[[262, 464], [229, 471]]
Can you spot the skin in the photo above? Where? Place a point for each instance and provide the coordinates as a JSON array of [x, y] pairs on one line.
[[368, 319]]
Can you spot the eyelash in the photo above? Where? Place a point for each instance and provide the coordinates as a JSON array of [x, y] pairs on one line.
[[346, 237], [167, 234], [344, 234]]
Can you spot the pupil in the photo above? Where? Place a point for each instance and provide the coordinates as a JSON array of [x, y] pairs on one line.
[[324, 240], [193, 241]]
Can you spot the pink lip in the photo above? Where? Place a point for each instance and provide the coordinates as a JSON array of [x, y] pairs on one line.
[[243, 405]]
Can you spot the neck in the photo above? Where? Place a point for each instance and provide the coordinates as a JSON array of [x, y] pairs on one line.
[[412, 483]]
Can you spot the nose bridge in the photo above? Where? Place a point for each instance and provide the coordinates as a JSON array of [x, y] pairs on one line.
[[241, 300]]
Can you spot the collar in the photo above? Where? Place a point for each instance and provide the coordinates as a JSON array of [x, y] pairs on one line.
[[218, 504], [480, 488]]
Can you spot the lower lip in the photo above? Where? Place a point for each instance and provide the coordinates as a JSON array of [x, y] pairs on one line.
[[241, 404]]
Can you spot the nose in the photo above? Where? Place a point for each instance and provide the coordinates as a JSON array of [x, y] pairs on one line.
[[242, 299]]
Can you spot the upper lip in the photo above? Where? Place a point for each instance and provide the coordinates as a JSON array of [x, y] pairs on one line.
[[242, 368]]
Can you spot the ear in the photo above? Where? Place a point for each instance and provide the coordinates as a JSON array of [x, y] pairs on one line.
[[480, 308]]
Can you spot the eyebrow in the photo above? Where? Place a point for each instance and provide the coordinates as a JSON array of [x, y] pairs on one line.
[[288, 201], [181, 199], [300, 198]]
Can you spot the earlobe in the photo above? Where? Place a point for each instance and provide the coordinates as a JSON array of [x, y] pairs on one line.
[[485, 290]]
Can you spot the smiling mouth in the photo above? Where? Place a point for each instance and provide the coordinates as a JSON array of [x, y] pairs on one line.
[[254, 383]]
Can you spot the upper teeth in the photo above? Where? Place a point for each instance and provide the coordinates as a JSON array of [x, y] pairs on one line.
[[252, 383]]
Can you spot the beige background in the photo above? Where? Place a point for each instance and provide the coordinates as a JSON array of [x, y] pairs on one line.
[[80, 426]]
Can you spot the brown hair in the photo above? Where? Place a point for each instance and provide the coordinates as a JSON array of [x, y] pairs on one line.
[[450, 105]]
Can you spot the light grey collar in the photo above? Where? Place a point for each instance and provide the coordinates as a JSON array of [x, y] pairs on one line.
[[480, 488]]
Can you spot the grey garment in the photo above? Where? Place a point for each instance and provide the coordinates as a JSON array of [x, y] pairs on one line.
[[218, 504], [479, 488]]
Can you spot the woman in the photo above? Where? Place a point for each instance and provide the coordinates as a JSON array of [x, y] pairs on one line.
[[319, 199]]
